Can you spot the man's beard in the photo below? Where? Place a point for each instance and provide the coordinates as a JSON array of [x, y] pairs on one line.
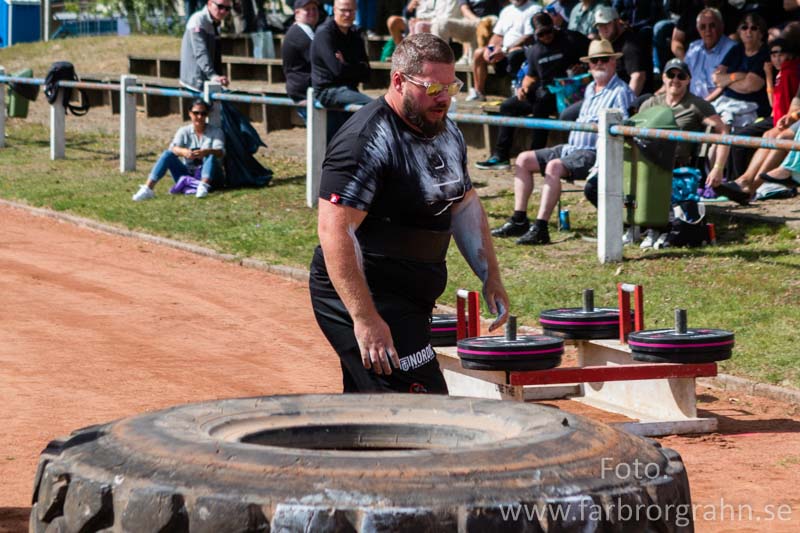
[[601, 76], [417, 119]]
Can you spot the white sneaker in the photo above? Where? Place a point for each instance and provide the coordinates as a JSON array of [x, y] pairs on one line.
[[475, 96], [144, 193], [662, 241], [631, 235], [464, 60], [202, 190], [650, 237]]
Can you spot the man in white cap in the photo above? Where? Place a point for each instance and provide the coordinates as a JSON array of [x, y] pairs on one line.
[[571, 161], [636, 66]]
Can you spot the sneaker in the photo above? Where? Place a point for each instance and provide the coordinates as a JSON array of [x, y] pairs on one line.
[[144, 193], [512, 229], [535, 235], [662, 241], [464, 60], [650, 237], [202, 190], [631, 235], [475, 96], [493, 163]]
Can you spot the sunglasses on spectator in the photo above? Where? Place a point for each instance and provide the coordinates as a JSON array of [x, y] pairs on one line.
[[601, 60], [680, 75], [199, 113], [745, 27], [222, 7], [435, 89]]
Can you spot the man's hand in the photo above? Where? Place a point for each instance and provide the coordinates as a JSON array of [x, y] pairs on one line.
[[497, 300], [339, 56], [222, 80], [522, 94], [375, 342]]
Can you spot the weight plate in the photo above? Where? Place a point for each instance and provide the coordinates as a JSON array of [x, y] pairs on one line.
[[527, 352], [443, 330], [697, 345], [575, 323]]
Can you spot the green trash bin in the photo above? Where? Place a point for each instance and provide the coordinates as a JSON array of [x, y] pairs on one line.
[[18, 104], [647, 170]]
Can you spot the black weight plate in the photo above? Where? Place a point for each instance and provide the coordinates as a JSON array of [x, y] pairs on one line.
[[443, 330], [697, 345], [527, 352], [575, 323]]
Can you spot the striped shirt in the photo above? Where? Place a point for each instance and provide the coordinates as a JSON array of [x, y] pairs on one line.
[[616, 95]]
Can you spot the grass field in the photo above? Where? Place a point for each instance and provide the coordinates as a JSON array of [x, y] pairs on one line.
[[749, 283]]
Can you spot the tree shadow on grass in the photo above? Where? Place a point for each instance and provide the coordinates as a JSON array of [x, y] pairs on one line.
[[750, 256], [291, 180]]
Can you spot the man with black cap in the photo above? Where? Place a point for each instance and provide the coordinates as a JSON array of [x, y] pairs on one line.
[[553, 52], [296, 49]]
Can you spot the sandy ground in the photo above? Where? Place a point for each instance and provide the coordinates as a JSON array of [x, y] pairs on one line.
[[97, 327]]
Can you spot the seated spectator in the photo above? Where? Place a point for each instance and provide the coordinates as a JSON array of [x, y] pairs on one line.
[[296, 49], [558, 12], [415, 11], [474, 15], [706, 53], [512, 31], [197, 148], [339, 63], [582, 17], [740, 77], [785, 112], [636, 66], [549, 57], [571, 161]]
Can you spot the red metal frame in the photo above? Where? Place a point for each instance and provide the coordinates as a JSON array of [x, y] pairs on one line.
[[624, 291], [591, 374], [467, 326]]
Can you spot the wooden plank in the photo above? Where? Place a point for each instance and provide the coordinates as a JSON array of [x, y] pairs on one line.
[[592, 374]]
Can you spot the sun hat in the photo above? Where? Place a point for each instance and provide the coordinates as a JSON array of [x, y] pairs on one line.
[[601, 48]]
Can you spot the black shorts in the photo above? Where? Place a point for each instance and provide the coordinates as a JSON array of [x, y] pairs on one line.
[[578, 162], [410, 326]]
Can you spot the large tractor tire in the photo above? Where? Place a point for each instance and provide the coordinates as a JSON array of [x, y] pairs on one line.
[[331, 463]]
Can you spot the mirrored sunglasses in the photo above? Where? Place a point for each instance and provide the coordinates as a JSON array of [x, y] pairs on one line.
[[434, 88]]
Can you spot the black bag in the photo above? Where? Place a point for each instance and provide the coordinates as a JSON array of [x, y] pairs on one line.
[[687, 227], [241, 142], [65, 71]]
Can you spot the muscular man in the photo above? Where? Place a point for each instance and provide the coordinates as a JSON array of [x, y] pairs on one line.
[[201, 56], [394, 189]]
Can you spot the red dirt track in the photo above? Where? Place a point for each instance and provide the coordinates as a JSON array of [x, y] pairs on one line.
[[95, 327]]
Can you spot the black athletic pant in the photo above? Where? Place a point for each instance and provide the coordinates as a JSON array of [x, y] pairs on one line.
[[541, 106], [410, 326]]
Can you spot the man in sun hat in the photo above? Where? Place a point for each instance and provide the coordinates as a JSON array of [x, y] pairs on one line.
[[571, 161]]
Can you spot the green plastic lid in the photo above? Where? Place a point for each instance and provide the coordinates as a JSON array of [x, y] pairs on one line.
[[659, 116]]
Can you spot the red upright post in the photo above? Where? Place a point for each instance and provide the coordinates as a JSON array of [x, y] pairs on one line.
[[624, 297]]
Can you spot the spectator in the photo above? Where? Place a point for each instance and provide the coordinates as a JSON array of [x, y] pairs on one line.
[[197, 148], [686, 30], [785, 112], [740, 78], [201, 56], [706, 53], [636, 66], [640, 15], [416, 11], [296, 49], [572, 160], [558, 13], [512, 31], [582, 17], [339, 63], [549, 57], [464, 28]]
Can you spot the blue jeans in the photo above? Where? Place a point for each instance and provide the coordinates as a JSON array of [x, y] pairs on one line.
[[210, 170], [339, 97], [366, 16]]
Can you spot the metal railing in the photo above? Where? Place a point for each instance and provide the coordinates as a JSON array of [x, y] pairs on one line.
[[610, 129]]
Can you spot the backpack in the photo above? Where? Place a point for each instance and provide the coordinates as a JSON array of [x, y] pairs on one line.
[[687, 227], [64, 71]]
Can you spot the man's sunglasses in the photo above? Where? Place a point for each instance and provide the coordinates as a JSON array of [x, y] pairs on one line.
[[601, 60], [222, 7], [199, 113], [435, 89], [745, 27], [680, 75]]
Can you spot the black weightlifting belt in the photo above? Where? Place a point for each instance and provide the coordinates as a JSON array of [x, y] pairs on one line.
[[403, 242]]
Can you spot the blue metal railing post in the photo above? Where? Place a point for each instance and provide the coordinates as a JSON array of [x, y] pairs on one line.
[[127, 124], [609, 186]]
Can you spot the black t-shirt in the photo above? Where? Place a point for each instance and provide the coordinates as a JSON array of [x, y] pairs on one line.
[[378, 164], [636, 57], [549, 61], [327, 71], [482, 8], [295, 53], [737, 61]]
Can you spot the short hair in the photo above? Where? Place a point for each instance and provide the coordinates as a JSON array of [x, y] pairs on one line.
[[420, 48], [714, 12], [200, 101]]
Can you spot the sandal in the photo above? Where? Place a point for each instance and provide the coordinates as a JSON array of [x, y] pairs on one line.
[[734, 192], [789, 182]]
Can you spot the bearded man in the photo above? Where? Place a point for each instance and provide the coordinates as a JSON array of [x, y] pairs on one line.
[[394, 189]]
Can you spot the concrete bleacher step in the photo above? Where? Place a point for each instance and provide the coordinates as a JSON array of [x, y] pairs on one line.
[[242, 45]]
